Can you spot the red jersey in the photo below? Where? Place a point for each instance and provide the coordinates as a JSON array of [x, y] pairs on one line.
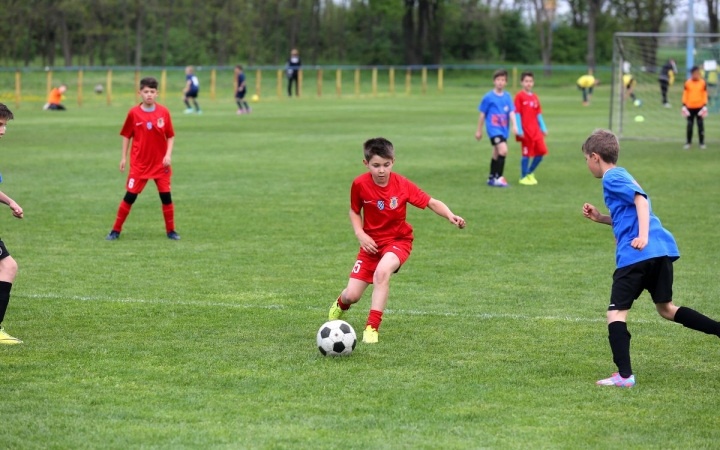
[[149, 131], [385, 208], [528, 106]]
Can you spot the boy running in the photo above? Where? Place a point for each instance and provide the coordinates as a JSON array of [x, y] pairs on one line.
[[529, 116], [385, 236], [191, 90], [695, 100], [240, 91], [150, 128], [495, 110], [644, 254], [8, 266]]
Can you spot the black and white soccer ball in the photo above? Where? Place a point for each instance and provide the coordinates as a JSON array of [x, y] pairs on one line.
[[98, 88], [336, 338]]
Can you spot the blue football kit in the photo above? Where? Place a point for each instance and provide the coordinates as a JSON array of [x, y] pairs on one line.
[[497, 109]]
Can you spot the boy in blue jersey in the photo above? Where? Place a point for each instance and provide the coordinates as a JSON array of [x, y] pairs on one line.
[[644, 255], [192, 88], [496, 111], [240, 91]]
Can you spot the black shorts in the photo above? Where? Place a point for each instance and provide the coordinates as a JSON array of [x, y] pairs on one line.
[[192, 94], [496, 140], [4, 253], [655, 275], [240, 94]]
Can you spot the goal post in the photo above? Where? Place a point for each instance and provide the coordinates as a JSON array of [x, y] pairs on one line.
[[637, 109]]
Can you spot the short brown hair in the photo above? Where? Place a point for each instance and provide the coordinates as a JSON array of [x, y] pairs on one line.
[[378, 147], [604, 143], [148, 82], [500, 73], [5, 112], [526, 74]]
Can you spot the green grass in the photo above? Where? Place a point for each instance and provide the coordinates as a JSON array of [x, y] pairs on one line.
[[494, 335]]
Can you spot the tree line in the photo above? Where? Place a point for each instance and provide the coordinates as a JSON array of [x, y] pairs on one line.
[[367, 32]]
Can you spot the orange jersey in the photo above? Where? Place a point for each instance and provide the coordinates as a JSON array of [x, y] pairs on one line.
[[55, 97], [695, 94]]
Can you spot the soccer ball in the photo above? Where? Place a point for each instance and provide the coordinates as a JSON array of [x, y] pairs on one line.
[[638, 102], [639, 119], [98, 89], [255, 98], [336, 338]]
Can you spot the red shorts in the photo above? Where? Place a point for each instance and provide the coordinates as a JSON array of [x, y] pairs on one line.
[[136, 185], [365, 265], [533, 147]]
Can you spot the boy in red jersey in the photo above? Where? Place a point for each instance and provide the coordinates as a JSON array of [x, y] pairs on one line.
[[385, 236], [529, 117], [149, 127]]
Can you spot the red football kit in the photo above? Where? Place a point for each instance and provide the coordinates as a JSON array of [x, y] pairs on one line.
[[528, 106], [384, 211], [149, 131]]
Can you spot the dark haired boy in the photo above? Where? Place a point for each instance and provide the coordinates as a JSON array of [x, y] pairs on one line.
[[644, 255], [695, 100], [529, 116], [385, 236], [150, 128], [240, 91], [8, 266], [496, 111]]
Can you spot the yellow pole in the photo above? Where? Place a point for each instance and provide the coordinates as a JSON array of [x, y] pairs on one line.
[[299, 85], [163, 85], [319, 82], [49, 82], [514, 79], [79, 89], [213, 78], [137, 86], [338, 82], [357, 81], [374, 82], [424, 80], [258, 82], [392, 81], [109, 87], [279, 83], [440, 79], [17, 88], [407, 81]]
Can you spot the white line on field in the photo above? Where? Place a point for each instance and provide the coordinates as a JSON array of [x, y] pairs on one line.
[[409, 312]]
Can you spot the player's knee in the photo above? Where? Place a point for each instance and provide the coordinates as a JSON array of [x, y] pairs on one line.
[[8, 268], [381, 277], [165, 198], [351, 296], [667, 310], [130, 198]]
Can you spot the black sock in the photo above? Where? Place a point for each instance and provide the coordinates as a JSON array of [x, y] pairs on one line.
[[239, 103], [493, 168], [246, 105], [4, 298], [692, 319], [500, 167], [187, 103], [619, 338]]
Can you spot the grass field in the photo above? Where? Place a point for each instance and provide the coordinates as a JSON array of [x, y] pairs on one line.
[[494, 337]]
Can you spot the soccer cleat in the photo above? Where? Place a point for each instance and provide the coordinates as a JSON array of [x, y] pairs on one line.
[[491, 181], [617, 380], [702, 147], [173, 235], [240, 112], [112, 236], [6, 339], [686, 146], [667, 105], [532, 178], [370, 335], [199, 111], [188, 111], [526, 181], [336, 313], [249, 110], [586, 103], [501, 182]]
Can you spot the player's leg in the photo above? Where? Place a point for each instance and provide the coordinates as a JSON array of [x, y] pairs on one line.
[[389, 264], [289, 89], [8, 270], [361, 276], [689, 128], [188, 108], [500, 149], [134, 188], [663, 90], [238, 100], [539, 150], [168, 208], [701, 130], [526, 147]]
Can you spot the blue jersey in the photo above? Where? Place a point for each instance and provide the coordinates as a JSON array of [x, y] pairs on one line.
[[240, 81], [194, 83], [619, 189], [497, 109]]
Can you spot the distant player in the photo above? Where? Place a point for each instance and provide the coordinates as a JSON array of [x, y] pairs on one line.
[[150, 129], [293, 69], [586, 84], [629, 84], [191, 90], [532, 127], [666, 79], [496, 113], [385, 236], [54, 102], [8, 266], [695, 98], [241, 90], [645, 252]]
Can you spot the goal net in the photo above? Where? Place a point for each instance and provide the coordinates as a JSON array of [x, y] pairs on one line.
[[637, 107]]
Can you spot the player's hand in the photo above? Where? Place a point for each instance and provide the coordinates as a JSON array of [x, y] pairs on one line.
[[368, 244], [166, 161], [123, 162], [684, 111], [515, 132], [544, 133], [478, 135], [703, 112], [457, 221], [591, 212], [17, 211], [638, 243]]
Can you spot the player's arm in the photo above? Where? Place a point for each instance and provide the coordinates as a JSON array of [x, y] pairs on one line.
[[481, 122], [366, 242], [187, 87], [17, 211], [593, 214], [168, 153], [516, 124], [643, 212], [541, 123], [123, 157], [242, 86], [442, 210]]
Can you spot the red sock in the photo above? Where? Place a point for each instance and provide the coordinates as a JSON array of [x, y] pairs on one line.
[[374, 319], [342, 305], [169, 215], [122, 214]]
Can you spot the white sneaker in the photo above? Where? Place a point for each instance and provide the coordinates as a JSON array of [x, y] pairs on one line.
[[667, 105], [686, 146], [702, 147]]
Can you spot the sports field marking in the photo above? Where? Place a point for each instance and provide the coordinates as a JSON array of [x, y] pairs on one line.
[[408, 312]]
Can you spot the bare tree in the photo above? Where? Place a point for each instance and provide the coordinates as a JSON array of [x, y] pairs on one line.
[[544, 16], [712, 7]]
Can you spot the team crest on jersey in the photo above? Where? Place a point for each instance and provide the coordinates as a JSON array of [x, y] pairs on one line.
[[160, 122], [381, 204], [505, 108], [393, 202], [149, 125]]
